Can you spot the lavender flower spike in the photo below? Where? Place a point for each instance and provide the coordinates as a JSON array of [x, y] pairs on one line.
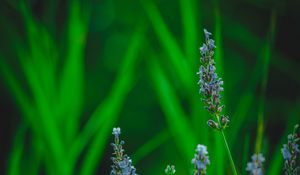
[[210, 84], [201, 160], [255, 167], [289, 153], [122, 164], [170, 170]]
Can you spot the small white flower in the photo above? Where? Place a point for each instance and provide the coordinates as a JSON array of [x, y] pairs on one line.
[[207, 34], [201, 150], [255, 167], [116, 131], [170, 170]]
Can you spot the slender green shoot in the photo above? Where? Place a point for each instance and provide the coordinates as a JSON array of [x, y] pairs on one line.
[[227, 148]]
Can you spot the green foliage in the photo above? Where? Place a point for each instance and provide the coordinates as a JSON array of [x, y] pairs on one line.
[[75, 70]]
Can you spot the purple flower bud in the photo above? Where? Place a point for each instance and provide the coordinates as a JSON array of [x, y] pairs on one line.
[[207, 34], [224, 121], [203, 49], [213, 124], [211, 44]]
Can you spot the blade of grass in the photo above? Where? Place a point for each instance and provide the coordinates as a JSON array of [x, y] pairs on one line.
[[16, 90], [190, 21], [37, 152], [14, 165], [245, 102], [107, 114], [265, 72], [173, 50], [190, 30], [247, 97], [245, 155], [72, 81], [150, 146], [175, 115], [42, 52], [260, 131], [47, 125], [28, 113], [170, 45], [33, 65]]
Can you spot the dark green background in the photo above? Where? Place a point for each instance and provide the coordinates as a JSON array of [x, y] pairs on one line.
[[72, 70]]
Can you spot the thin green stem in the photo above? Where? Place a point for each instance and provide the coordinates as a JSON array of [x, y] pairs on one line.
[[227, 148], [229, 153]]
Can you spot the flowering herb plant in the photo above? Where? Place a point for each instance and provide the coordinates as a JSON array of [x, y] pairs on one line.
[[211, 87]]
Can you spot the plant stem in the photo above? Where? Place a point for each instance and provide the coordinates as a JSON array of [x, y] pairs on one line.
[[227, 148], [229, 153]]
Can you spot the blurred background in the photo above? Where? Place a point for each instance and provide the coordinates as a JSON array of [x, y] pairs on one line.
[[70, 71]]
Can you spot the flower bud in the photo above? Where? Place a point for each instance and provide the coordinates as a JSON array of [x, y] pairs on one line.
[[213, 124], [224, 121]]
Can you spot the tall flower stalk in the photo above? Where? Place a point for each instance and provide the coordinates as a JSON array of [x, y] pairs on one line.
[[289, 153], [122, 164], [210, 88]]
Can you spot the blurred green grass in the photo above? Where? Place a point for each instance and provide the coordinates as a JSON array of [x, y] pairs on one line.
[[46, 69]]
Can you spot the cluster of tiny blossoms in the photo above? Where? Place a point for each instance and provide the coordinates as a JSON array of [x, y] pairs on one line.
[[210, 84], [122, 164], [255, 167], [289, 153], [200, 160]]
